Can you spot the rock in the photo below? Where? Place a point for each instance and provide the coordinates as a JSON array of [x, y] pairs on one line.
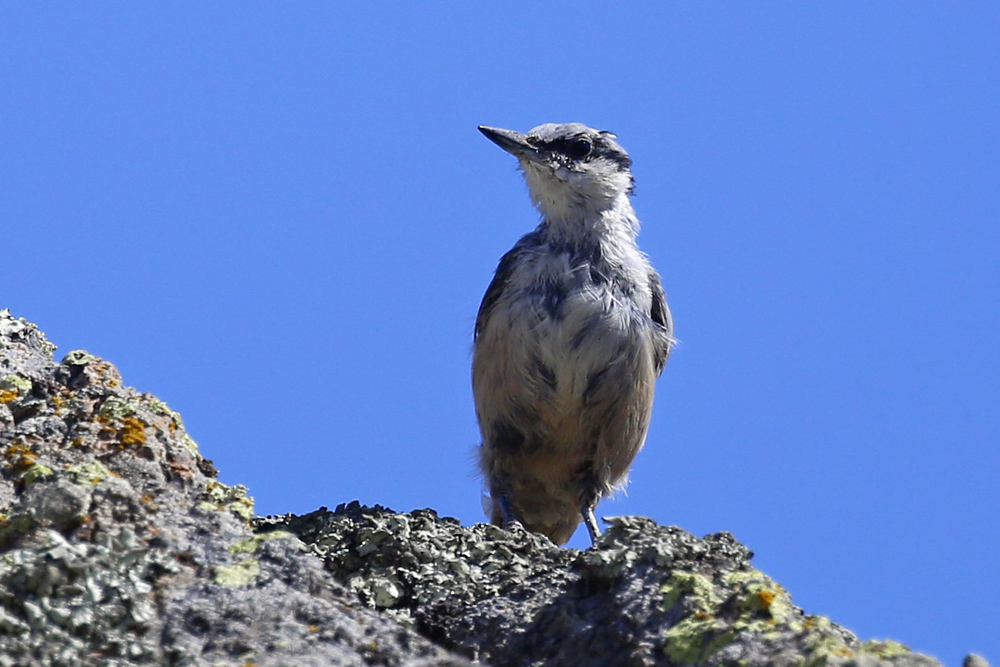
[[646, 595], [119, 546]]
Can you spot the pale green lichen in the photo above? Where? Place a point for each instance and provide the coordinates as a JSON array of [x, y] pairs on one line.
[[250, 545], [609, 563], [693, 639], [15, 383], [760, 594], [884, 648], [157, 406], [699, 634], [765, 611], [218, 496], [240, 574], [22, 328], [824, 646], [35, 473], [89, 473], [78, 358], [189, 444], [115, 408], [697, 586], [382, 591]]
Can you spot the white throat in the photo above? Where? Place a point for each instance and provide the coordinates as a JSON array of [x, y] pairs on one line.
[[578, 205]]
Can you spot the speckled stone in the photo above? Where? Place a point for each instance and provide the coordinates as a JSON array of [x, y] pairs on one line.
[[645, 595], [118, 545]]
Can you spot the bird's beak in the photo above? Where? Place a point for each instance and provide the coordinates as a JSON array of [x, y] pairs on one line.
[[513, 142]]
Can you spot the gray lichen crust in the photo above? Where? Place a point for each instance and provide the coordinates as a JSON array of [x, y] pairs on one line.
[[118, 546], [646, 595]]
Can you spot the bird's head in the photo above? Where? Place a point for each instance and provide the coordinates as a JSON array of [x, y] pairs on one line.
[[572, 170]]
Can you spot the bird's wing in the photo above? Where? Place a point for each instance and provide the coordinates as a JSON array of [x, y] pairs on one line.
[[660, 314], [500, 282]]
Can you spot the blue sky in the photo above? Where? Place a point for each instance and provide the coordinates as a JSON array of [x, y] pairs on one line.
[[280, 218]]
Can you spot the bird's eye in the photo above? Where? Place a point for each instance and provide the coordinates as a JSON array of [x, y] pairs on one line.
[[579, 148]]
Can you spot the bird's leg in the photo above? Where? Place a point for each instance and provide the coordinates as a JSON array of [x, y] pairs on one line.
[[506, 510], [591, 521]]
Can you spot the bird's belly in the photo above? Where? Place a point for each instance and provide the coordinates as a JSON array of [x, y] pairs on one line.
[[563, 395]]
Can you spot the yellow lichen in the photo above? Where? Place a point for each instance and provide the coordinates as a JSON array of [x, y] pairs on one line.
[[21, 457], [7, 396], [133, 431]]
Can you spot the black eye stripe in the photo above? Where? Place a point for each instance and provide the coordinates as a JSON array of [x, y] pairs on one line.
[[573, 148]]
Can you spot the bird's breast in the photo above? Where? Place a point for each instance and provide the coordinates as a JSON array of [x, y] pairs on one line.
[[554, 337]]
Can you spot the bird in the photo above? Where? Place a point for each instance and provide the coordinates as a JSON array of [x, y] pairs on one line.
[[570, 338]]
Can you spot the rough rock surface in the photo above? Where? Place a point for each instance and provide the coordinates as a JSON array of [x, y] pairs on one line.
[[118, 546], [647, 595]]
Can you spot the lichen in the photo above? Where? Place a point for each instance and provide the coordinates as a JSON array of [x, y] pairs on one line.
[[696, 587], [114, 408], [78, 358], [20, 457], [239, 574], [15, 384], [157, 406], [35, 473], [884, 648], [133, 431], [17, 523], [250, 545], [189, 444], [88, 473], [218, 496], [693, 639]]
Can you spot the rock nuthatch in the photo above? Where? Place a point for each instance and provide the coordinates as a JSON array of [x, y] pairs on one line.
[[571, 335]]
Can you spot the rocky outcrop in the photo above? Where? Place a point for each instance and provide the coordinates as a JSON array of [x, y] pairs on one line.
[[647, 595], [118, 546]]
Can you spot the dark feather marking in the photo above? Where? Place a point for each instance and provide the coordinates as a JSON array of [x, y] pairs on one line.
[[580, 336], [506, 437], [594, 381], [553, 294], [501, 279], [540, 369], [660, 314]]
